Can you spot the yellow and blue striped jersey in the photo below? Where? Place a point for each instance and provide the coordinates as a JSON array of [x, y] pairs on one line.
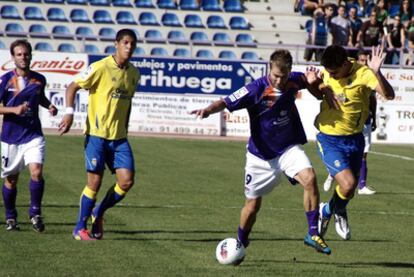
[[111, 89], [353, 93]]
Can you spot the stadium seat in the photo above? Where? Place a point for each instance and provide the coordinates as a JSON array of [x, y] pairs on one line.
[[61, 31], [233, 6], [32, 1], [245, 40], [144, 4], [91, 49], [2, 45], [102, 16], [227, 54], [56, 14], [125, 17], [85, 33], [107, 33], [177, 36], [193, 21], [191, 5], [110, 49], [9, 12], [200, 38], [222, 39], [205, 54], [54, 1], [139, 51], [393, 10], [67, 47], [211, 5], [154, 36], [14, 30], [248, 55], [33, 13], [100, 2], [148, 18], [38, 31], [170, 19], [79, 15], [216, 22], [238, 22], [77, 2], [167, 4], [159, 51], [182, 52], [121, 3], [43, 46]]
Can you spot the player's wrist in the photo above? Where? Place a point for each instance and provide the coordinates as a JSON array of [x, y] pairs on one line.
[[69, 111]]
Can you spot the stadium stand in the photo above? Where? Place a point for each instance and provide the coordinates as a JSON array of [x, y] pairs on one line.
[[38, 31], [56, 14], [67, 47], [14, 30], [227, 54], [79, 15], [43, 46], [182, 52], [191, 5], [125, 17], [33, 13], [204, 54], [159, 51], [193, 21], [85, 33]]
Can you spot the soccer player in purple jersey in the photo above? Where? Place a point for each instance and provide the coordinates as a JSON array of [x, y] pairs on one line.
[[22, 141], [274, 146]]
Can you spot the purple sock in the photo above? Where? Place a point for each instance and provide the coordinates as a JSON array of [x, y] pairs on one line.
[[243, 236], [363, 175], [9, 199], [312, 217], [36, 195]]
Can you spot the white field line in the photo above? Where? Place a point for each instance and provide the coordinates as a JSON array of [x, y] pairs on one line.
[[392, 155]]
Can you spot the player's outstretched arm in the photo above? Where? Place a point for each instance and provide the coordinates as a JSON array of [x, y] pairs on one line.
[[67, 120], [375, 62], [17, 110], [214, 107]]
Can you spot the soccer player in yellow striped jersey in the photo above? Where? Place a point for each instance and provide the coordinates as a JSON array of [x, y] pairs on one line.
[[111, 83], [347, 87]]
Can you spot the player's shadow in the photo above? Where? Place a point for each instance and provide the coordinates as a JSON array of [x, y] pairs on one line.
[[401, 265]]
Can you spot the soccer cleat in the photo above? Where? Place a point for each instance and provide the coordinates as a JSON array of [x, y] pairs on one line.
[[328, 183], [82, 234], [366, 191], [341, 225], [318, 243], [12, 225], [37, 224], [97, 226], [323, 221]]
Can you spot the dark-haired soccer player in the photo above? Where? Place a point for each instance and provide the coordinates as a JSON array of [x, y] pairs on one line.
[[22, 91], [340, 141], [275, 144], [111, 83]]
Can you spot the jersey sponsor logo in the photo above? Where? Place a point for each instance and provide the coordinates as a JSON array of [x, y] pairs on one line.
[[120, 93], [238, 94], [337, 163]]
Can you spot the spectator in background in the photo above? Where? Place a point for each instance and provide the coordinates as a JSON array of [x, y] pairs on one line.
[[359, 4], [382, 12], [371, 32], [309, 6], [356, 24], [341, 28], [405, 12], [410, 36], [317, 35], [395, 40]]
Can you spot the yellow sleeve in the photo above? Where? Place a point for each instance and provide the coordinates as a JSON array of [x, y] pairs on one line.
[[88, 78], [369, 76]]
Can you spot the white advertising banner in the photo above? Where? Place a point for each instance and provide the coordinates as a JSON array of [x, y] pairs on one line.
[[170, 114]]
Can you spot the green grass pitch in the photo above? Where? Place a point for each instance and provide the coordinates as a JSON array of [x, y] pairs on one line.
[[187, 197]]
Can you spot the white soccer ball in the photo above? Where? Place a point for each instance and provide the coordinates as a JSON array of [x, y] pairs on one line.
[[230, 252]]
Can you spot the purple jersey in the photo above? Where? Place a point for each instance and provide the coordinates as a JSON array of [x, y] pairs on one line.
[[275, 124], [15, 90]]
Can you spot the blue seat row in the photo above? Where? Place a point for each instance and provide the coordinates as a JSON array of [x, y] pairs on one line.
[[124, 17]]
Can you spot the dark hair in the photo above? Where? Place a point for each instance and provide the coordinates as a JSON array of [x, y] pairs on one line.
[[334, 56], [282, 59], [125, 32], [362, 52], [20, 42]]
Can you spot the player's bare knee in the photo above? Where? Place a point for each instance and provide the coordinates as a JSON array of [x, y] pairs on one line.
[[307, 178], [126, 184]]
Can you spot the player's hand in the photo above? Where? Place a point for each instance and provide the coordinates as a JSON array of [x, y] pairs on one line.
[[312, 74], [331, 99], [201, 113], [21, 109], [373, 126], [377, 57], [65, 124], [53, 110]]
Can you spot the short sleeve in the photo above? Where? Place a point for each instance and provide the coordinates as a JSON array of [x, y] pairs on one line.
[[244, 97], [87, 78]]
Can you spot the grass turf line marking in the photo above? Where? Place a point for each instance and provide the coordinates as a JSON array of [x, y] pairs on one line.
[[393, 155]]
